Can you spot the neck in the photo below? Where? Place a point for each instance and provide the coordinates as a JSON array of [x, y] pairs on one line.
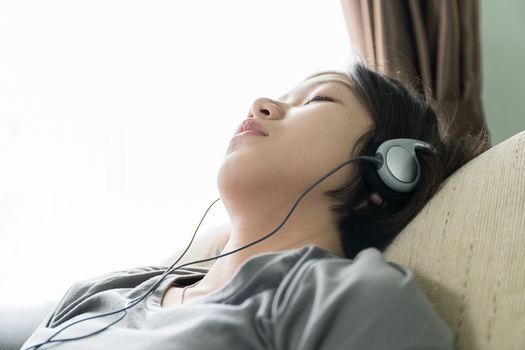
[[258, 208]]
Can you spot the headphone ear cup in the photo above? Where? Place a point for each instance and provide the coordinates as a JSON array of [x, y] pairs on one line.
[[372, 180]]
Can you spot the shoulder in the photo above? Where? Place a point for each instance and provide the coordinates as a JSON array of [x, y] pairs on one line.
[[82, 289], [116, 279], [365, 278], [368, 268], [366, 284], [379, 296]]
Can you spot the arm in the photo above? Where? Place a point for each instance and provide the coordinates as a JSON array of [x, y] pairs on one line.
[[206, 244]]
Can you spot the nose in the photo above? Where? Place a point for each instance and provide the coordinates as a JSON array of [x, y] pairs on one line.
[[265, 108]]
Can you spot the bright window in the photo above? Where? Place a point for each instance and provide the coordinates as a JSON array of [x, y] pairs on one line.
[[115, 117]]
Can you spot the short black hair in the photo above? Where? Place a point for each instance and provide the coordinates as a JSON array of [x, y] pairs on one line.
[[398, 111]]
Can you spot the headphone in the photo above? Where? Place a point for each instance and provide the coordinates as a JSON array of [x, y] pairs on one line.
[[391, 168], [396, 171]]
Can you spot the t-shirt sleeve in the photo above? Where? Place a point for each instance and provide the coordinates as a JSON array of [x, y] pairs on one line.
[[366, 304]]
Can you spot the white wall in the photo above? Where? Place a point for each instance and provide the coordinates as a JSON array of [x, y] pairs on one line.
[[503, 54]]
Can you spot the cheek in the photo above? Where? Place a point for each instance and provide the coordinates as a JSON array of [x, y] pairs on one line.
[[322, 147], [314, 130], [311, 141]]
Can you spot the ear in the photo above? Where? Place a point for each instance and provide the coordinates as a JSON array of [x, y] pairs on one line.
[[376, 199]]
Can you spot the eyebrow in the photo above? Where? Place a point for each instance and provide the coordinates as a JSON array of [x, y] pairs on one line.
[[324, 81]]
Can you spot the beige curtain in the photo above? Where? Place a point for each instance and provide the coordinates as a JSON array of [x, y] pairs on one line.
[[434, 42]]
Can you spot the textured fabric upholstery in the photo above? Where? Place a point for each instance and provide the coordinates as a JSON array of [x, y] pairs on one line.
[[467, 249]]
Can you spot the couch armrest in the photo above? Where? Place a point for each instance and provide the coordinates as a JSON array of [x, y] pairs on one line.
[[18, 322]]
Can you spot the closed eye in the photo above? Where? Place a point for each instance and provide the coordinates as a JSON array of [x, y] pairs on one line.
[[321, 98]]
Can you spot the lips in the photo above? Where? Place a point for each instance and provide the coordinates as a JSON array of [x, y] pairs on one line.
[[250, 124]]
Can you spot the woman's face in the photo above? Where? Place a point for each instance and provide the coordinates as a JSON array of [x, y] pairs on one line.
[[307, 137]]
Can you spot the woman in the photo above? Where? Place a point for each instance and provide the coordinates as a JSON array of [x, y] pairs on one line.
[[319, 282]]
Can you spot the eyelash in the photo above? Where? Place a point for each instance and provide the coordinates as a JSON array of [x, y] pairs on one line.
[[324, 98]]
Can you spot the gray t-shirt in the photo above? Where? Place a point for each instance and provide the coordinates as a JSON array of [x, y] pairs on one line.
[[306, 298]]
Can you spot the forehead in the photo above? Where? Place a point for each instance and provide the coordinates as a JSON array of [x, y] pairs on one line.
[[329, 74]]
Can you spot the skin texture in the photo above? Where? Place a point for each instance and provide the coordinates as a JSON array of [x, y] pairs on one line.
[[260, 178]]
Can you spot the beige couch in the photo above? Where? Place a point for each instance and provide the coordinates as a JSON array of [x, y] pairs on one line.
[[466, 247]]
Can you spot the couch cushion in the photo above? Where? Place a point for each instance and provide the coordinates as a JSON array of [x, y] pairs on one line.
[[18, 322], [467, 249]]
